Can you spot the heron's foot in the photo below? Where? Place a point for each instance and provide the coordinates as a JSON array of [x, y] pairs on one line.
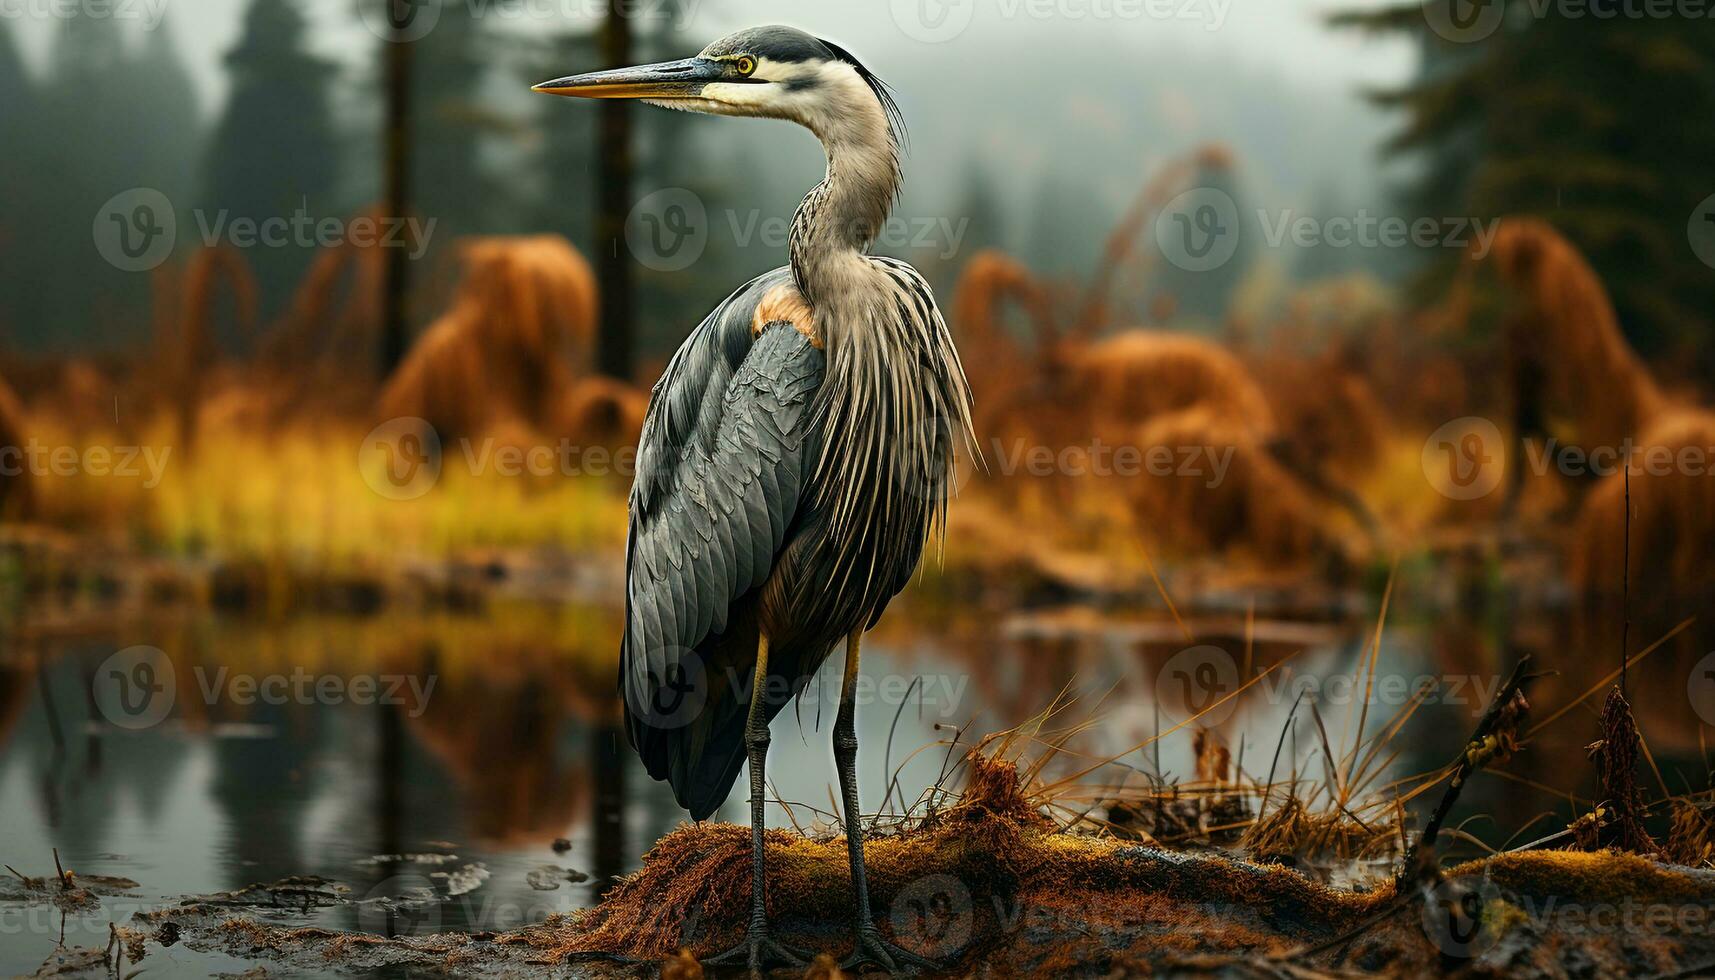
[[874, 950], [760, 952]]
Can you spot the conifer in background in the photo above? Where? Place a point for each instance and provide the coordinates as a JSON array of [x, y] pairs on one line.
[[275, 149], [1597, 124]]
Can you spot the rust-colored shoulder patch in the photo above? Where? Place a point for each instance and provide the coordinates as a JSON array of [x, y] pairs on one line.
[[784, 304]]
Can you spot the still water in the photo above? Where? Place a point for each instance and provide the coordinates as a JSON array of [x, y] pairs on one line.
[[478, 756]]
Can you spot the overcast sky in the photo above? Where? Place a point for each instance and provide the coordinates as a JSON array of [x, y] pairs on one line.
[[1263, 35]]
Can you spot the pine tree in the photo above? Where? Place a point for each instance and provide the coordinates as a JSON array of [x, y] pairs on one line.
[[1208, 294], [165, 118], [82, 148], [275, 150], [450, 183], [17, 110], [565, 206], [1595, 124]]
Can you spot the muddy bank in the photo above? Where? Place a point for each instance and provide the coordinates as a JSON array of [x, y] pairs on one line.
[[988, 887]]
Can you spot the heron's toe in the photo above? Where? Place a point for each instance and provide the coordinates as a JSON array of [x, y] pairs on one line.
[[760, 952], [874, 950]]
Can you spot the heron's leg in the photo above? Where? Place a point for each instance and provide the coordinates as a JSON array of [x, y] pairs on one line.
[[871, 947], [758, 949]]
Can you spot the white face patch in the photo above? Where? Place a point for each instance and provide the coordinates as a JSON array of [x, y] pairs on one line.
[[827, 97], [768, 92]]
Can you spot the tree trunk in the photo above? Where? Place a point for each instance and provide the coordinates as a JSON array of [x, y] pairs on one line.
[[613, 203], [397, 180]]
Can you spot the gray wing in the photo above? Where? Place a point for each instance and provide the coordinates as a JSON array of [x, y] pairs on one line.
[[726, 451]]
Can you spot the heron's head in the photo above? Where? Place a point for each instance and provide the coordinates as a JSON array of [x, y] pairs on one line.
[[776, 72]]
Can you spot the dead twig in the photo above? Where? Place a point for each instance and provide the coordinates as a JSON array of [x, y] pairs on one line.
[[1493, 740]]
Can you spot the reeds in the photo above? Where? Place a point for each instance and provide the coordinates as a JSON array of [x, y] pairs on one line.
[[508, 346], [600, 411], [1591, 376], [15, 490], [1671, 493], [1253, 504]]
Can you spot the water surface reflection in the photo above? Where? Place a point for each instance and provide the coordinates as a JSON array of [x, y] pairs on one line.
[[504, 738]]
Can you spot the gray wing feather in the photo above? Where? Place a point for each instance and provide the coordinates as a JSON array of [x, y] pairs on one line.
[[723, 460]]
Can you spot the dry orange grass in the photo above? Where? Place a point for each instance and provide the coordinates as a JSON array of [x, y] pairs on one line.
[[523, 311], [1114, 383], [187, 359], [1146, 390], [319, 360], [1592, 378], [80, 395], [1007, 378], [1254, 505], [989, 279], [1185, 394], [1673, 514], [1328, 411], [1138, 375], [335, 316], [14, 490], [599, 411]]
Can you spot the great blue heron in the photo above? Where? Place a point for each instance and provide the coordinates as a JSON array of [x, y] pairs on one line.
[[796, 457]]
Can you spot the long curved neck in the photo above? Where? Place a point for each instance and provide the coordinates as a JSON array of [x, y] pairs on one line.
[[843, 214]]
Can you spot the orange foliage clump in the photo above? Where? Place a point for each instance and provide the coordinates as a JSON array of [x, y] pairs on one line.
[[523, 313], [334, 321], [188, 353], [1150, 390], [1592, 377], [1138, 375], [1247, 501], [14, 490], [1673, 514], [599, 411], [1328, 411]]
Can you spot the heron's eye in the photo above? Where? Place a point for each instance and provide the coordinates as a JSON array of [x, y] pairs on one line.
[[745, 64]]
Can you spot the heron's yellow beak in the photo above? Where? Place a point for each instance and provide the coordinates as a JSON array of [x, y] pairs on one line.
[[667, 80]]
